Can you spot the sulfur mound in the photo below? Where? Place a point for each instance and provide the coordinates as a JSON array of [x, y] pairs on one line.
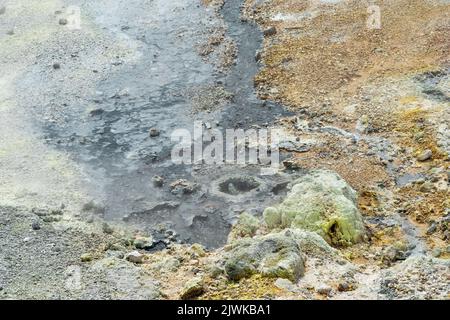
[[320, 202]]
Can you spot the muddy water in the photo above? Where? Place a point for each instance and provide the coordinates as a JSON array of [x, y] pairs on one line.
[[107, 132]]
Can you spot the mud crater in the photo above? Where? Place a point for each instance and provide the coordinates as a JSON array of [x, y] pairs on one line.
[[238, 185]]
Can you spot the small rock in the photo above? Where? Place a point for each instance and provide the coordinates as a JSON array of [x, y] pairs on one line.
[[96, 112], [344, 286], [58, 211], [363, 125], [426, 187], [284, 284], [135, 257], [144, 243], [63, 21], [168, 264], [120, 246], [51, 219], [258, 56], [194, 262], [182, 186], [121, 93], [116, 63], [198, 249], [378, 50], [56, 66], [291, 165], [394, 253], [193, 288], [94, 207], [158, 181], [86, 257], [56, 249], [324, 290], [446, 235], [436, 252], [426, 155], [154, 132], [432, 229], [35, 225], [115, 254], [107, 228], [270, 31]]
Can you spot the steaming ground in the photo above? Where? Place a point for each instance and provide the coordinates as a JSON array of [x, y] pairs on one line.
[[86, 117]]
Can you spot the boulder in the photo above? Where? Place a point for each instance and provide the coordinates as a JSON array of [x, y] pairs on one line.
[[274, 255], [320, 202]]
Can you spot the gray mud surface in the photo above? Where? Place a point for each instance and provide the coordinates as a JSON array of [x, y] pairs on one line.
[[131, 68]]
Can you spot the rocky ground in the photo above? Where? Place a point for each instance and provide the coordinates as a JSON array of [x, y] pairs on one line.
[[364, 213]]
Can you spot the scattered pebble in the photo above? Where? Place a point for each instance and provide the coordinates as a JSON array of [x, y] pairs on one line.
[[107, 228], [135, 257], [270, 31], [63, 21], [344, 286], [426, 155], [158, 181], [182, 186], [324, 290], [432, 229], [426, 187], [258, 56], [96, 112], [154, 132], [86, 257], [436, 252], [35, 225]]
